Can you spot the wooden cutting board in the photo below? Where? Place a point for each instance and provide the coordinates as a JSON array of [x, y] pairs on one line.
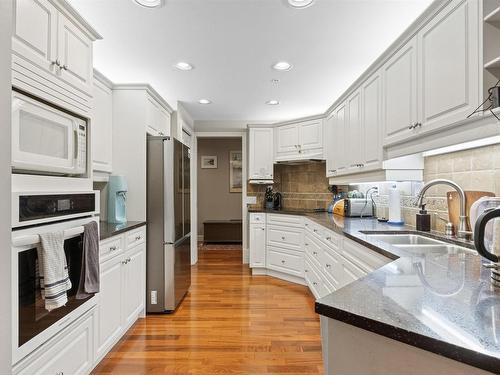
[[454, 204]]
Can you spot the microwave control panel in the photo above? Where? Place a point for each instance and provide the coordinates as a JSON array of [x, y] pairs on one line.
[[81, 150]]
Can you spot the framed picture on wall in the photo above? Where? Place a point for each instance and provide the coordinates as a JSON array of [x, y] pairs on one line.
[[209, 162], [235, 172]]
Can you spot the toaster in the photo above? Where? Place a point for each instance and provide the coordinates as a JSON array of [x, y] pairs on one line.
[[357, 207]]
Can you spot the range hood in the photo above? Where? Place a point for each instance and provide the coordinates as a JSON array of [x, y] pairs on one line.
[[261, 182], [299, 161]]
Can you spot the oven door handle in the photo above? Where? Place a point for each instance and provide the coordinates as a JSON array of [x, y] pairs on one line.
[[35, 238]]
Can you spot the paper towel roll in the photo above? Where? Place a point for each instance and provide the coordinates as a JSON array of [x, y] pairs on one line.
[[395, 206]]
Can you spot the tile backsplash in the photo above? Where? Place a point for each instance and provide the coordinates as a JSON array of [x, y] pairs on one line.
[[303, 186], [473, 169]]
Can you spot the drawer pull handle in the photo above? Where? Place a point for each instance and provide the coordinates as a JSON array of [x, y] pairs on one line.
[[315, 283], [315, 253], [328, 266], [315, 230], [306, 244], [112, 248], [283, 261], [138, 238], [328, 238], [306, 271], [283, 238], [60, 373]]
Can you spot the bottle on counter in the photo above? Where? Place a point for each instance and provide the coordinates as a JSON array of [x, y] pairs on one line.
[[423, 220]]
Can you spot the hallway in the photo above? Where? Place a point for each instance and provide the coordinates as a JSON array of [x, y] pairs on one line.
[[229, 323]]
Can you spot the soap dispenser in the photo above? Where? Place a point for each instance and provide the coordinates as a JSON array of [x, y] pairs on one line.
[[423, 220]]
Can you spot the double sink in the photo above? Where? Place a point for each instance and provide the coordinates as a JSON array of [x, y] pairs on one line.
[[415, 243]]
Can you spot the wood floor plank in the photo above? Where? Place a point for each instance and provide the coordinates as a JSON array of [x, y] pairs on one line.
[[229, 323]]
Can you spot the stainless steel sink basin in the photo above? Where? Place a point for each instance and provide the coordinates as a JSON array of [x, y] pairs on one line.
[[404, 239], [444, 248]]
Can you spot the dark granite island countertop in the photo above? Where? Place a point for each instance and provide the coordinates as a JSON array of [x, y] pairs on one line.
[[440, 300], [107, 230]]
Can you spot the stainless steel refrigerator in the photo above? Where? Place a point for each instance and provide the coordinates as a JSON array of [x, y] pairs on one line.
[[168, 224]]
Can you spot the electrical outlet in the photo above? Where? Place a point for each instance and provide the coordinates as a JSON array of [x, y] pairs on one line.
[[154, 297]]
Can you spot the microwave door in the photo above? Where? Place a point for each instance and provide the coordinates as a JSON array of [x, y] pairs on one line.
[[44, 139]]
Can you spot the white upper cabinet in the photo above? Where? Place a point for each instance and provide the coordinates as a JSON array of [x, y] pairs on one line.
[[52, 53], [34, 33], [260, 153], [336, 162], [75, 55], [371, 120], [433, 81], [353, 136], [102, 125], [448, 66], [301, 140], [287, 141], [158, 118], [329, 146], [400, 93]]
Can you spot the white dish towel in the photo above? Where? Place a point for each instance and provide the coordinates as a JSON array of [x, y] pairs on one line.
[[54, 279]]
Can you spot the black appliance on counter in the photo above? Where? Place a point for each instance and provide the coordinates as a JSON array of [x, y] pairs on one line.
[[277, 201], [480, 232]]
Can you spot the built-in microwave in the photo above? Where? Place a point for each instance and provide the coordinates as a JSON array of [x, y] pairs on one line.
[[47, 140]]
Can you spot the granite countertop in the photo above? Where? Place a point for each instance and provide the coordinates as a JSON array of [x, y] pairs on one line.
[[107, 230], [440, 300]]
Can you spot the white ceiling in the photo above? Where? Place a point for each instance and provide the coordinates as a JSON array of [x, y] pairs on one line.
[[232, 44]]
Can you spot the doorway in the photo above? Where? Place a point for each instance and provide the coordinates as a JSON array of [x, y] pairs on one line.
[[219, 188]]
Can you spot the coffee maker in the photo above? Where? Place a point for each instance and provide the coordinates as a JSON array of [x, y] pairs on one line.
[[117, 199]]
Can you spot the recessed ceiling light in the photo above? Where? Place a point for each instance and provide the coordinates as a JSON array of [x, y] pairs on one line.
[[300, 4], [181, 65], [204, 101], [150, 3], [282, 65], [272, 102]]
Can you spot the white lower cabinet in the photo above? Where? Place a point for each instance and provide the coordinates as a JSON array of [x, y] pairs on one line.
[[257, 245], [72, 353], [296, 246], [133, 284]]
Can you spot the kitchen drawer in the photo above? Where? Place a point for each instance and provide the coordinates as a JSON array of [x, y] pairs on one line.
[[285, 220], [72, 354], [313, 249], [110, 248], [363, 257], [288, 237], [257, 218], [350, 273], [135, 237], [329, 237], [315, 281], [289, 262], [333, 267]]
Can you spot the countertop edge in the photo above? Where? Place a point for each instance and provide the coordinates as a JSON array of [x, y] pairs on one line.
[[108, 234], [445, 349]]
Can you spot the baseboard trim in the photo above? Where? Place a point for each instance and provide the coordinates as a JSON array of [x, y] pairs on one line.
[[279, 275]]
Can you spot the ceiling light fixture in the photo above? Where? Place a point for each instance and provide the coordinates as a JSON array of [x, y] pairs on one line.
[[273, 102], [181, 65], [204, 101], [300, 4], [282, 66], [150, 3]]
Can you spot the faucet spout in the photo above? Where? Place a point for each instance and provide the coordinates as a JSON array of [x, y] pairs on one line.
[[462, 226]]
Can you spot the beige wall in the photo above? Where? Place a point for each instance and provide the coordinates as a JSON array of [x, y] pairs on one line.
[[304, 186], [215, 202], [5, 266]]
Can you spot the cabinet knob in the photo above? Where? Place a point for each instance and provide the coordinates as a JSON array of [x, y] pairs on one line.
[[283, 261], [315, 283], [328, 238], [64, 67], [262, 228], [328, 266], [138, 238], [112, 248], [315, 230], [283, 238], [315, 253]]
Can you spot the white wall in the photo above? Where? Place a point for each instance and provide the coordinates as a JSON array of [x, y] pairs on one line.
[[5, 268]]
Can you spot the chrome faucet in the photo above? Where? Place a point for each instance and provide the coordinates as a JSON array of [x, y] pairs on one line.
[[462, 221]]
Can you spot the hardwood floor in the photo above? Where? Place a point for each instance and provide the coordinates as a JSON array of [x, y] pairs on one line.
[[229, 323]]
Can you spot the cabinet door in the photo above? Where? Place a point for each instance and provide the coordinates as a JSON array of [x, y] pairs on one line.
[[260, 160], [353, 151], [134, 287], [102, 127], [371, 121], [339, 140], [449, 66], [152, 116], [109, 322], [287, 141], [34, 32], [330, 144], [311, 138], [400, 93], [257, 245], [75, 53], [164, 122]]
